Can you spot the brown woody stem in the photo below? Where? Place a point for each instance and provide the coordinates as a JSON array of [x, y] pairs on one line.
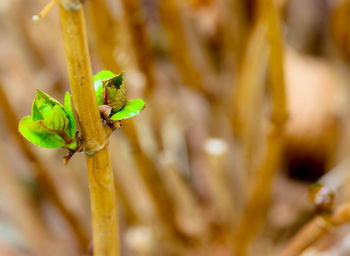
[[101, 179]]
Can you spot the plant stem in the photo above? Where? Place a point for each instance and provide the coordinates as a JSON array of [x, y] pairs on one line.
[[317, 228], [105, 30], [140, 41], [236, 31], [179, 48], [164, 206], [41, 173], [248, 93], [258, 201], [100, 174]]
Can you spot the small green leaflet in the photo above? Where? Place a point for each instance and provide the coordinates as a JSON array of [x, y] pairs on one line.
[[116, 96], [98, 78], [69, 110], [38, 135], [51, 124], [132, 108]]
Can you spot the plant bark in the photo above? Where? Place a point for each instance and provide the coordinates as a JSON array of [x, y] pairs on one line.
[[101, 179]]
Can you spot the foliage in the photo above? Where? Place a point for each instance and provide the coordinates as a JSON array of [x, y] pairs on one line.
[[111, 91], [51, 124]]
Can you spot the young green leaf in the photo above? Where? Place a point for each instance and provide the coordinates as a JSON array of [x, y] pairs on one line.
[[103, 75], [69, 110], [51, 125], [37, 134], [98, 83], [114, 93], [132, 108]]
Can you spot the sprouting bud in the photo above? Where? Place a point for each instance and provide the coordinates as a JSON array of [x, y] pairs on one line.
[[322, 197], [114, 93], [111, 97], [110, 90], [51, 124]]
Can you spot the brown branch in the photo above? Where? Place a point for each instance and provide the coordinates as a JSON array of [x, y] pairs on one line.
[[152, 180], [140, 41], [179, 49], [258, 201], [105, 30], [317, 228], [100, 174]]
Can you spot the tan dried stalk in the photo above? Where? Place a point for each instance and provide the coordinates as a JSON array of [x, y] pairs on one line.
[[140, 41], [258, 200], [249, 89], [235, 36], [152, 180], [146, 167], [105, 30], [179, 49], [100, 174], [317, 228]]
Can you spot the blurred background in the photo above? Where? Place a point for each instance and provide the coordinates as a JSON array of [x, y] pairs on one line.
[[247, 107]]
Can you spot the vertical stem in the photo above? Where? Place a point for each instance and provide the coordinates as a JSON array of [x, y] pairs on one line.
[[139, 37], [105, 30], [179, 49], [148, 171], [248, 93], [101, 180], [258, 201], [276, 76], [234, 38]]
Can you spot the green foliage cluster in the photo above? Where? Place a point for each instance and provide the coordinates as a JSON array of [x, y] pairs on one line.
[[53, 125]]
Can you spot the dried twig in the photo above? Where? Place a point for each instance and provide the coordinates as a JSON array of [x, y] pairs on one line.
[[102, 190]]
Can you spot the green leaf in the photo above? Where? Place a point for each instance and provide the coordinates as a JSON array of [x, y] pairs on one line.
[[58, 120], [103, 75], [36, 113], [43, 105], [98, 78], [36, 133], [73, 146], [40, 95], [69, 110], [132, 108], [114, 94], [116, 81]]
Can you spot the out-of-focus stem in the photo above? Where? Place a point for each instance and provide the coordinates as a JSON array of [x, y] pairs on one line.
[[235, 33], [179, 50], [271, 14], [248, 92], [41, 174], [105, 30], [216, 151], [152, 180], [100, 174], [44, 11], [138, 30], [258, 201], [189, 216], [317, 228], [25, 216]]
